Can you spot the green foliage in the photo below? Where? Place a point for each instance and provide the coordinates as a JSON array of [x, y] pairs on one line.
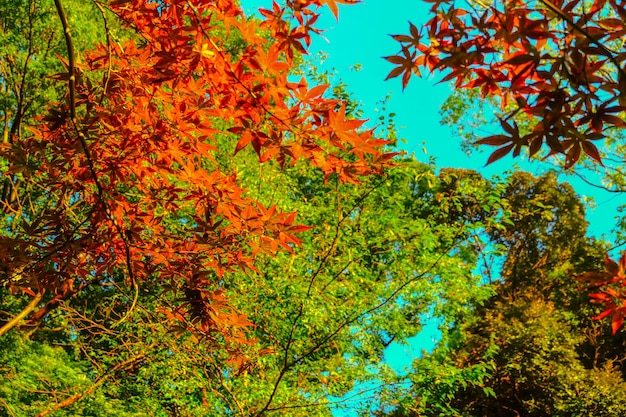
[[34, 375], [374, 264], [382, 255], [31, 42], [536, 348]]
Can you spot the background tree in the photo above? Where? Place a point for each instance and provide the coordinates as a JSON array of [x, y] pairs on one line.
[[32, 39], [531, 349]]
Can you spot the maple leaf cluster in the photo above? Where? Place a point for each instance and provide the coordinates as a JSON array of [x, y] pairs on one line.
[[128, 163], [611, 295], [561, 62]]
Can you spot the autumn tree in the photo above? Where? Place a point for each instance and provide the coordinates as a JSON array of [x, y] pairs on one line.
[[120, 184]]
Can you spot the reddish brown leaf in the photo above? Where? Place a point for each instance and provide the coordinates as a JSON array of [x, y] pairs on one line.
[[494, 140], [611, 266], [591, 150], [499, 153], [617, 320]]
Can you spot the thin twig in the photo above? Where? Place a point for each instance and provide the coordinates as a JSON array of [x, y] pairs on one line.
[[7, 407], [130, 310], [392, 296], [107, 31], [561, 14]]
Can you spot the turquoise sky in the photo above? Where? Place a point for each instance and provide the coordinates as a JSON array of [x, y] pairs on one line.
[[361, 36]]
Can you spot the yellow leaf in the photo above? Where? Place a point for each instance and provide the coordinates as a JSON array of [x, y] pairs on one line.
[[206, 52]]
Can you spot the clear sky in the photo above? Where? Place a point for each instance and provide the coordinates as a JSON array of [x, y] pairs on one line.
[[361, 36]]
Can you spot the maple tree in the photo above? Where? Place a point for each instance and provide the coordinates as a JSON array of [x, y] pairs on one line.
[[555, 68], [120, 183]]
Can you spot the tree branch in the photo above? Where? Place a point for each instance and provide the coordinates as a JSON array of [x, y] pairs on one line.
[[70, 59], [25, 312], [287, 365], [81, 136]]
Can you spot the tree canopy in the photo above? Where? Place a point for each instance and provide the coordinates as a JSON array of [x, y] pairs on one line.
[[533, 348], [195, 223]]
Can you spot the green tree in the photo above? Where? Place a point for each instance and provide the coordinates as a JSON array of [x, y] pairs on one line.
[[31, 42], [532, 349]]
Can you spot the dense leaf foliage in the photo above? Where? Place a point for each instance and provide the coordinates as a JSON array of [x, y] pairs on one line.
[[556, 68], [532, 349], [120, 183]]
